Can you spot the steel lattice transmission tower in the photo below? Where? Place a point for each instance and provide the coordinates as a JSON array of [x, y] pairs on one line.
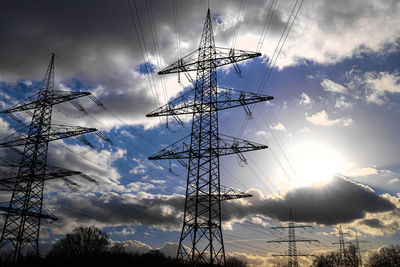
[[292, 240], [342, 248], [24, 212], [358, 251], [201, 238]]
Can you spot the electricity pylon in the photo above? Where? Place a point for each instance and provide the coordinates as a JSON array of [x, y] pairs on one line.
[[358, 251], [341, 244], [292, 240], [201, 239], [24, 212]]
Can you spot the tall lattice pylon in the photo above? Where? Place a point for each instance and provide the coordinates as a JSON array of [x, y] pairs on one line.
[[24, 212], [342, 248], [358, 251], [201, 238], [292, 240]]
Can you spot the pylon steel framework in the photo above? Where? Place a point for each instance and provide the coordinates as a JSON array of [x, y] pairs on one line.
[[292, 240], [341, 244], [357, 242], [24, 212], [201, 238]]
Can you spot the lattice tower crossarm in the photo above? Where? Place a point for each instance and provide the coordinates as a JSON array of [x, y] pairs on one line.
[[7, 182], [24, 212], [201, 238]]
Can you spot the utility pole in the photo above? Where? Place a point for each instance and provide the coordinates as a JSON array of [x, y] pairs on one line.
[[24, 213], [292, 240], [201, 239]]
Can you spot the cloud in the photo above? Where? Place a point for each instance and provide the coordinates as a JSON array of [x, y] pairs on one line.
[[169, 249], [278, 127], [349, 200], [321, 119], [132, 246], [261, 133], [92, 162], [331, 86], [125, 231], [265, 261], [304, 99], [341, 103], [394, 180], [330, 31], [104, 54], [363, 171], [385, 223], [380, 84], [127, 134], [374, 223], [375, 87], [143, 165], [304, 130], [107, 208], [139, 186]]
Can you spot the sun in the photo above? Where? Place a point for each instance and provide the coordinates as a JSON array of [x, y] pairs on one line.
[[316, 163]]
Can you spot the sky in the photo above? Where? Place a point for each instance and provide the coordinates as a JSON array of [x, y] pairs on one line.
[[331, 129]]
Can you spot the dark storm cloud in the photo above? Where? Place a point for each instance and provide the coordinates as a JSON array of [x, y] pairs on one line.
[[91, 36], [374, 223], [96, 44], [97, 40], [112, 209], [340, 201]]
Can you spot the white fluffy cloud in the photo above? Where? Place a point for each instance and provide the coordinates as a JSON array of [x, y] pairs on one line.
[[278, 127], [380, 84], [331, 86], [363, 171], [342, 103], [374, 87], [304, 99], [321, 119], [132, 246]]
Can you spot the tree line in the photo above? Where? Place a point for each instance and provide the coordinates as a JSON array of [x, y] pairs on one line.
[[89, 246], [384, 257]]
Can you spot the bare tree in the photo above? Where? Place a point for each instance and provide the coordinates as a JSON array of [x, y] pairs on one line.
[[386, 256], [81, 241], [331, 259], [351, 256], [235, 262]]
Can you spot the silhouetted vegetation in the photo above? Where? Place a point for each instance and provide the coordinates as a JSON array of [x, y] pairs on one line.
[[333, 259], [235, 262], [88, 246], [386, 256], [82, 241]]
